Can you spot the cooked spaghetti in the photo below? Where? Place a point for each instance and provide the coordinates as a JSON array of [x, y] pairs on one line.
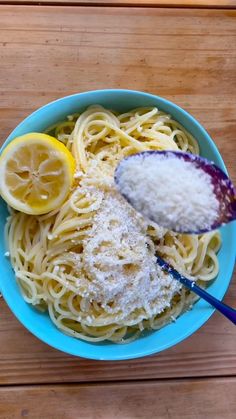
[[91, 263]]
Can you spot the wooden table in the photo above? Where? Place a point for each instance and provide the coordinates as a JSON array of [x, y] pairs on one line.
[[187, 54]]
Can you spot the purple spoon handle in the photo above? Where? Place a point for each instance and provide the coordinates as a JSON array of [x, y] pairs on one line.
[[227, 311]]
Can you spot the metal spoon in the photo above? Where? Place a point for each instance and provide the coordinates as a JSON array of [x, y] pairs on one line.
[[227, 311], [222, 186]]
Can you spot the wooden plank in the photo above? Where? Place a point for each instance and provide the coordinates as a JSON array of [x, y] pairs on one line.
[[183, 55], [190, 399], [140, 3]]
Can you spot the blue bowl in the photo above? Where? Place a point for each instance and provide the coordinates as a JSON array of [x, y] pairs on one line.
[[40, 324]]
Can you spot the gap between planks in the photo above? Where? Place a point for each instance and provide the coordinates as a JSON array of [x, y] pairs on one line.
[[172, 4], [113, 382]]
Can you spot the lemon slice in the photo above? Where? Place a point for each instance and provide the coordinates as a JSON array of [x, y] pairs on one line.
[[36, 173]]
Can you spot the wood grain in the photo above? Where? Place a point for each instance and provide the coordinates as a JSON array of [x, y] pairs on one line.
[[190, 399], [145, 3], [187, 56]]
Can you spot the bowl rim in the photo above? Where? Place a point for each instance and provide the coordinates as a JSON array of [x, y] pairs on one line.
[[204, 317]]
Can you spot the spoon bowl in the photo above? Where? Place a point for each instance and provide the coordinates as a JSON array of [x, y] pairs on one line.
[[222, 188]]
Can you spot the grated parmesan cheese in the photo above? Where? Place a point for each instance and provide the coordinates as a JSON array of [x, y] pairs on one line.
[[120, 266], [78, 174], [170, 191]]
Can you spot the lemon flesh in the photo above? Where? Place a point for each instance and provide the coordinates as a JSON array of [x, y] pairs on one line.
[[36, 173]]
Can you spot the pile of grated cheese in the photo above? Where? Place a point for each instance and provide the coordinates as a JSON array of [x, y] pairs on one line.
[[170, 191], [120, 265]]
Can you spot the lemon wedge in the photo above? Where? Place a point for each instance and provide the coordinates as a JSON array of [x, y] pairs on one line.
[[36, 173]]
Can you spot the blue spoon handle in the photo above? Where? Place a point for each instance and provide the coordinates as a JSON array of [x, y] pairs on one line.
[[227, 311]]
